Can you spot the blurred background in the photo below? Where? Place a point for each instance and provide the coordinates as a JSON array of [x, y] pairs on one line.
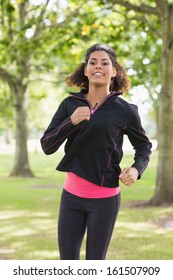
[[41, 42]]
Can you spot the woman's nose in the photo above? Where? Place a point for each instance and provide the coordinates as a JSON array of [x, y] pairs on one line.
[[98, 66]]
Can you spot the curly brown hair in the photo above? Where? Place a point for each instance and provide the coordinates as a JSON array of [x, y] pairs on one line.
[[118, 83]]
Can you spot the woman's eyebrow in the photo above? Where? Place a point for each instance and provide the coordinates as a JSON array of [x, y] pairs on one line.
[[96, 58]]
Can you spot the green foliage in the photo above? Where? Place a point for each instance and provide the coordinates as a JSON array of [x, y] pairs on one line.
[[44, 101], [38, 40]]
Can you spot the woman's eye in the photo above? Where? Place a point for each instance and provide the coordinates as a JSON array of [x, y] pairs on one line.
[[92, 62]]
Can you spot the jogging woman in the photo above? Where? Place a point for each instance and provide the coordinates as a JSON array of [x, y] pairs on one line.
[[94, 121]]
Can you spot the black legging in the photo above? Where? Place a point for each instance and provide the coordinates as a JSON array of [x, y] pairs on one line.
[[76, 215]]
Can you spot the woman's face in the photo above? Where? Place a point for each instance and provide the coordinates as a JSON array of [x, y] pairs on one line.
[[99, 69]]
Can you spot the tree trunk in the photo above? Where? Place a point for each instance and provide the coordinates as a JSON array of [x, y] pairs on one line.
[[164, 183], [21, 163]]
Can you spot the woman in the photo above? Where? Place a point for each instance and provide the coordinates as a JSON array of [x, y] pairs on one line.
[[94, 121]]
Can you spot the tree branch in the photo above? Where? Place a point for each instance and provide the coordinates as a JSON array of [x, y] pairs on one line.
[[162, 6], [139, 18], [2, 11], [39, 23], [71, 15], [47, 81], [141, 9], [22, 12], [8, 78], [151, 27]]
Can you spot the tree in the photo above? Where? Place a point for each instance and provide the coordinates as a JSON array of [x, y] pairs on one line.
[[33, 35], [162, 10], [6, 112]]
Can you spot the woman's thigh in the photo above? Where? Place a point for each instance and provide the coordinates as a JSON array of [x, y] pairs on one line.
[[71, 227], [100, 225]]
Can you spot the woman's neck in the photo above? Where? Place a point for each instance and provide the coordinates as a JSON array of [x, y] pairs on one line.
[[97, 94]]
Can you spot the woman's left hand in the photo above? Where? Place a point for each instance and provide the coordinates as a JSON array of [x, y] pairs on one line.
[[129, 175]]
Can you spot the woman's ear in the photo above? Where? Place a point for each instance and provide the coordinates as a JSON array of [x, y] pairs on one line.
[[114, 72], [85, 72]]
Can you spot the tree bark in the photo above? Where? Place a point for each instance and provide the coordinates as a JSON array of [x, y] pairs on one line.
[[21, 163], [7, 132], [164, 183]]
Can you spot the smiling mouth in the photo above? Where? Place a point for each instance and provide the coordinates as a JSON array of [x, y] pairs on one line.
[[98, 74]]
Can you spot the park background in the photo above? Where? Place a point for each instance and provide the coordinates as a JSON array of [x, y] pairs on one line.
[[40, 43]]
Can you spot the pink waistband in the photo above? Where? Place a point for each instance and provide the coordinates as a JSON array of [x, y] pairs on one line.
[[86, 189]]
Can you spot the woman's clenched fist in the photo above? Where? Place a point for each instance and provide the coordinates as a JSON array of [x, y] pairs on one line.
[[80, 114]]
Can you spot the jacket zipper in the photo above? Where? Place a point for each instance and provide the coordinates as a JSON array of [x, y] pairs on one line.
[[95, 108]]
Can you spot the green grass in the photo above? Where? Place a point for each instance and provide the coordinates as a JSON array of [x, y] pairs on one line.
[[29, 212]]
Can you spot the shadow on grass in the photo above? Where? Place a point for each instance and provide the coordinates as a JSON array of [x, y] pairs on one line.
[[27, 235]]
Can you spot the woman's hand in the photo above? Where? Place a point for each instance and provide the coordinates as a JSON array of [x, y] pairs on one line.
[[80, 114], [129, 175]]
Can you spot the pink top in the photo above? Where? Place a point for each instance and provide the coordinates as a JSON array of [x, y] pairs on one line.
[[86, 189]]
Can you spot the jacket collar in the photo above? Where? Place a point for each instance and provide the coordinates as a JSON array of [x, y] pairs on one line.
[[83, 91]]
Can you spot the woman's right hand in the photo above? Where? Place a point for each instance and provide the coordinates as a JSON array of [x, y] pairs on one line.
[[80, 114]]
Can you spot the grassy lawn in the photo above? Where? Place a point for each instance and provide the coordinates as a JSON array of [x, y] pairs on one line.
[[29, 211]]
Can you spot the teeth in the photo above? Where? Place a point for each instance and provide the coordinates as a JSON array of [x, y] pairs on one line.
[[98, 74]]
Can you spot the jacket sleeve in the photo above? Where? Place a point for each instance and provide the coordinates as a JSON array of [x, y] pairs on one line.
[[139, 141], [58, 130]]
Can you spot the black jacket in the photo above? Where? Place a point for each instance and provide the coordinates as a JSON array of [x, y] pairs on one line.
[[93, 149]]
